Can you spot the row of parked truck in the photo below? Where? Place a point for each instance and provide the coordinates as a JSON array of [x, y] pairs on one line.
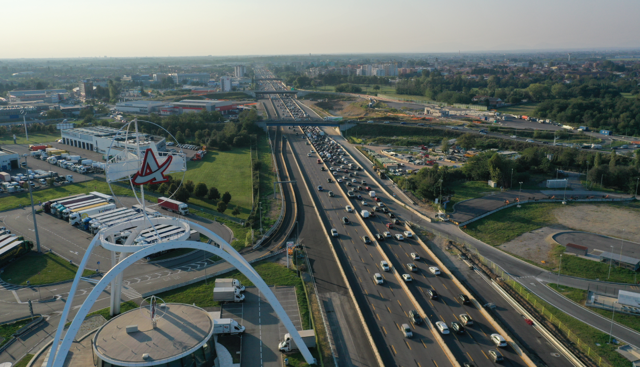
[[62, 158]]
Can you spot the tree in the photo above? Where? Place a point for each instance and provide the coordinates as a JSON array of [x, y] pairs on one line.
[[180, 137], [163, 188], [636, 161], [189, 186], [183, 195], [598, 160], [376, 87], [222, 206], [612, 162], [226, 197], [236, 211], [55, 114], [445, 146], [214, 194], [172, 189], [467, 141], [50, 181], [496, 168], [200, 190]]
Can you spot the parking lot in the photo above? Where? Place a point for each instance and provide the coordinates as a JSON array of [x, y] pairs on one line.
[[264, 328]]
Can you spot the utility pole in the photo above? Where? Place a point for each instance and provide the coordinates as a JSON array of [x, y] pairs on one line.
[[610, 262], [559, 270], [621, 245], [24, 120], [33, 209]]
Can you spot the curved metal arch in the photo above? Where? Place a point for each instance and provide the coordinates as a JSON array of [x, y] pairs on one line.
[[59, 349]]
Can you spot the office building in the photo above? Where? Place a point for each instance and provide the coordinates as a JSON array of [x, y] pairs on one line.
[[240, 70], [86, 89], [45, 95], [225, 84], [187, 78], [100, 138]]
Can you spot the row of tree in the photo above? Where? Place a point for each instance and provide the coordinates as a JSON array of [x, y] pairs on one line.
[[200, 191]]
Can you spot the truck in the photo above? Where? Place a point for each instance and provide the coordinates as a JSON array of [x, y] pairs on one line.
[[364, 214], [150, 212], [36, 153], [74, 158], [584, 128], [52, 205], [67, 212], [288, 345], [86, 162], [86, 222], [227, 294], [5, 177], [229, 282], [173, 205], [98, 166], [77, 217], [227, 326], [372, 194], [605, 132], [38, 147]]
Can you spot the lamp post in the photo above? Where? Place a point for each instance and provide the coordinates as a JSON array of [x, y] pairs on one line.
[[557, 173], [610, 262], [637, 182], [511, 184], [559, 270], [621, 245], [33, 209], [440, 201], [260, 204], [520, 193], [613, 312]]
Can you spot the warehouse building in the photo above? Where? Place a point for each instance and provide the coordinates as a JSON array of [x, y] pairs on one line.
[[191, 105], [9, 160], [144, 107], [99, 138], [622, 261], [186, 78], [45, 95]]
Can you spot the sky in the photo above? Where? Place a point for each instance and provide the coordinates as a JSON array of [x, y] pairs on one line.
[[139, 28]]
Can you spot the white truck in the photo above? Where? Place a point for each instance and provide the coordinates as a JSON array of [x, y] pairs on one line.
[[364, 214], [77, 217], [227, 326], [229, 282], [288, 345], [227, 294], [372, 194]]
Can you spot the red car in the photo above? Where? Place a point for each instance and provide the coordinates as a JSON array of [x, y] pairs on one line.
[[377, 199], [390, 225]]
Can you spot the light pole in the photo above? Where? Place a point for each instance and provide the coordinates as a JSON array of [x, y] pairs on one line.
[[637, 182], [613, 312], [33, 209], [520, 193], [511, 184], [24, 119], [260, 204], [559, 270], [610, 262], [440, 201], [557, 173], [621, 245]]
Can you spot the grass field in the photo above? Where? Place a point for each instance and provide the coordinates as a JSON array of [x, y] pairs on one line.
[[228, 171], [465, 190], [40, 269], [24, 361], [6, 330], [522, 109], [34, 138], [510, 223]]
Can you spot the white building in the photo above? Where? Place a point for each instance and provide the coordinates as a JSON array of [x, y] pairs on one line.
[[240, 70], [225, 84], [144, 107], [99, 138]]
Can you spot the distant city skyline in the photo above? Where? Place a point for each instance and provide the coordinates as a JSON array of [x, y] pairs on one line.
[[73, 28]]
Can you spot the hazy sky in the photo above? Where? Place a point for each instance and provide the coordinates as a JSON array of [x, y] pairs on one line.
[[84, 28]]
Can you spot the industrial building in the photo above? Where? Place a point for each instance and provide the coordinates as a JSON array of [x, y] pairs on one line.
[[144, 107], [9, 160], [45, 95], [186, 78], [622, 261], [190, 105], [99, 138]]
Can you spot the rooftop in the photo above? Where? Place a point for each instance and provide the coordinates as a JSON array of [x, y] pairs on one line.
[[619, 258], [182, 329]]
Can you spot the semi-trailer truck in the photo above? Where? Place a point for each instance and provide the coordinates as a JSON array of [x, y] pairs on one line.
[[173, 206], [229, 282], [68, 211], [76, 217], [288, 345], [227, 294], [47, 205], [71, 200], [63, 211], [108, 198]]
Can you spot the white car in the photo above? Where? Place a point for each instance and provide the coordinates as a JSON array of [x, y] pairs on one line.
[[364, 203], [384, 265], [348, 208], [498, 340], [387, 234], [444, 329], [399, 237], [435, 270], [381, 204], [377, 278], [334, 232], [415, 256], [407, 278], [408, 234], [513, 137], [339, 180], [406, 330], [412, 267]]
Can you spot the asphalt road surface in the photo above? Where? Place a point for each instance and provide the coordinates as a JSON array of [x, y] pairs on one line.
[[599, 242]]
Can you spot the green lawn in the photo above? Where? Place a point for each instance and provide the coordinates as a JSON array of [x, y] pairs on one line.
[[465, 190], [24, 361], [34, 138], [40, 269], [228, 171], [522, 109], [510, 223], [6, 330]]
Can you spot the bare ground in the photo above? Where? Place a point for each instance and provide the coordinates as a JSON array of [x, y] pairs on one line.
[[535, 245], [607, 220]]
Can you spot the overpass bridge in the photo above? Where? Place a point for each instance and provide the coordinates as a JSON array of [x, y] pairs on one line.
[[265, 124], [259, 79], [260, 93]]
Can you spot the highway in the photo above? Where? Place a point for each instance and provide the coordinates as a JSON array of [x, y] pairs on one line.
[[471, 346], [529, 276]]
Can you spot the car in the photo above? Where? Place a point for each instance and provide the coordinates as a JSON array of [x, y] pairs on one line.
[[407, 278], [322, 169], [498, 340], [396, 222], [349, 209], [434, 270], [364, 203], [464, 299], [349, 183], [408, 234], [359, 197], [466, 319], [377, 199], [412, 267], [496, 356], [330, 193], [366, 240], [334, 232], [457, 327], [432, 293], [332, 169], [308, 154], [389, 225], [391, 215], [379, 237], [442, 327], [329, 180], [399, 237], [350, 194], [415, 256], [386, 234], [384, 265], [380, 204], [319, 188], [406, 330], [339, 180], [345, 220], [377, 278], [385, 210], [415, 317], [363, 182]]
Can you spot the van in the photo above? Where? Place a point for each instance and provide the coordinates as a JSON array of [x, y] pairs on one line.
[[498, 340], [434, 270]]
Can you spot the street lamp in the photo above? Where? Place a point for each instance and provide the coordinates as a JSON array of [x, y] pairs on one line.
[[440, 201], [260, 203], [520, 193], [621, 245], [33, 209], [613, 312], [511, 184], [557, 173], [559, 270], [610, 262], [637, 182]]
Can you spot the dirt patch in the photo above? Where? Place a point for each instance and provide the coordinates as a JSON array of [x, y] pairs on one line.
[[536, 245], [607, 220]]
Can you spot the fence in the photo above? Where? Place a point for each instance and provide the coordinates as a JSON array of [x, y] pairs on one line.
[[545, 309]]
